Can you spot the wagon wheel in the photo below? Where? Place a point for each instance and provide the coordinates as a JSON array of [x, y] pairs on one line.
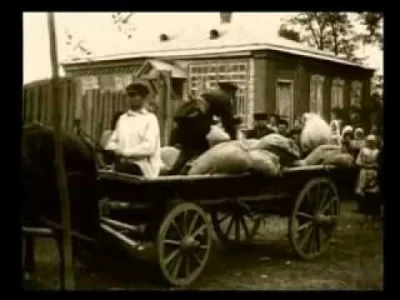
[[314, 218], [183, 244], [235, 228]]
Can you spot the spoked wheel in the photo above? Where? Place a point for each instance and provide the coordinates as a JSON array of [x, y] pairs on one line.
[[314, 218], [184, 244], [232, 228]]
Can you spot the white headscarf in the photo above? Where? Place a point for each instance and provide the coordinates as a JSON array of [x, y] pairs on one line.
[[346, 130]]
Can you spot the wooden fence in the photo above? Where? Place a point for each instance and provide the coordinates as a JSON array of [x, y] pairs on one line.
[[93, 111], [38, 103], [98, 109]]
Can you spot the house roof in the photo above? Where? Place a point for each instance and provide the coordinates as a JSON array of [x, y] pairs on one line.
[[194, 41]]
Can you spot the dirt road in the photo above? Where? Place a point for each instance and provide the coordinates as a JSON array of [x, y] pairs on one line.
[[354, 261]]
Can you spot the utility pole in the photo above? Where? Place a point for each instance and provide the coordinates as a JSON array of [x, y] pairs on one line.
[[67, 281]]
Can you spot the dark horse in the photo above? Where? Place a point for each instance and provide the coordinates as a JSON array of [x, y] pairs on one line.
[[41, 201]]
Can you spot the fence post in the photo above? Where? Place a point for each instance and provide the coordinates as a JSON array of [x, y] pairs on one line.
[[68, 281], [167, 105]]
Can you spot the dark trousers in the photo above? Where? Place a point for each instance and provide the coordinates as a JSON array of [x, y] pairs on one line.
[[184, 157], [129, 168]]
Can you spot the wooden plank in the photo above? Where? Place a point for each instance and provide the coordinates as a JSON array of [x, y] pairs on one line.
[[43, 103], [64, 105], [50, 106], [78, 99], [89, 112], [40, 103], [35, 104], [120, 100], [95, 119], [109, 111], [71, 105], [36, 231], [83, 112], [113, 105], [102, 113], [120, 224], [127, 241], [124, 104], [168, 107], [26, 104]]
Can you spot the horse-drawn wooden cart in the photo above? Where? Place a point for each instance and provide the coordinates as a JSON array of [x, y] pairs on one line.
[[174, 210]]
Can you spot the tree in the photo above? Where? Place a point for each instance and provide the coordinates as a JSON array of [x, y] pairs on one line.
[[122, 21], [289, 34], [377, 85], [78, 48], [326, 31], [373, 23]]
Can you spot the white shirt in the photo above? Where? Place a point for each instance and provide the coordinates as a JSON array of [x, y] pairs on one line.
[[137, 138]]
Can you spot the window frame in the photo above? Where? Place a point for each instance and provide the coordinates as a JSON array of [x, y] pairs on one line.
[[235, 71], [317, 93], [337, 93], [356, 84]]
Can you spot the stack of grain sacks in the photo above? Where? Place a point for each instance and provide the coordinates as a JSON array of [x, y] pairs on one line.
[[268, 155]]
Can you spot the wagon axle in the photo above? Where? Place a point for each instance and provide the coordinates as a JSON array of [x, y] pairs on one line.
[[189, 243], [321, 219]]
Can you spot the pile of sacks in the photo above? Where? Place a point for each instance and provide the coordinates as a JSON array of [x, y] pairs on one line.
[[314, 140], [268, 155]]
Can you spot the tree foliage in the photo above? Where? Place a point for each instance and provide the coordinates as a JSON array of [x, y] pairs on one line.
[[373, 23], [124, 23], [78, 48], [289, 34], [332, 31]]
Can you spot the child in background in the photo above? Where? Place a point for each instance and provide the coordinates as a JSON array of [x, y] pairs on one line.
[[335, 138], [367, 187], [273, 122], [358, 142]]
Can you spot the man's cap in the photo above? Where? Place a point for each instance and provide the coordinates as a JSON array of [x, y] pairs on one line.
[[137, 87], [227, 86], [260, 116]]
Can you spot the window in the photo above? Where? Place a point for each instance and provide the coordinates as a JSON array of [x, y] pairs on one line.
[[355, 94], [337, 93], [285, 100], [204, 76], [317, 94]]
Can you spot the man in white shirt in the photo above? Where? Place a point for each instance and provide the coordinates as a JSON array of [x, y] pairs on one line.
[[136, 139]]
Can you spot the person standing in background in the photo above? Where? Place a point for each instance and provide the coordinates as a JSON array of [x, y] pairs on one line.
[[358, 142], [273, 122], [260, 127], [367, 187], [283, 127]]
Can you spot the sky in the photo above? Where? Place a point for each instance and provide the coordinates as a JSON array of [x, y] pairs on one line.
[[99, 30]]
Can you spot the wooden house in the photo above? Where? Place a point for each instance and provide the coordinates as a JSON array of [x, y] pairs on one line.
[[274, 75]]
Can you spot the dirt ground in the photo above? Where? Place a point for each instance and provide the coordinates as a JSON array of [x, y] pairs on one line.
[[354, 261]]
